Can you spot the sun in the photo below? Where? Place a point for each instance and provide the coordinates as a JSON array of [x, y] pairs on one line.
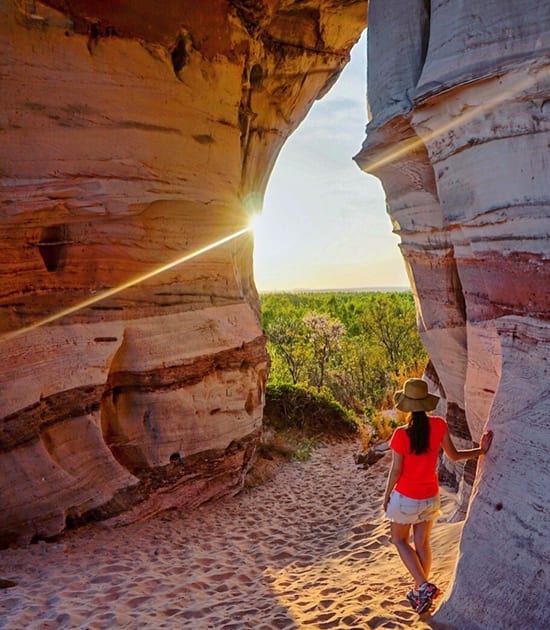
[[252, 205], [254, 222]]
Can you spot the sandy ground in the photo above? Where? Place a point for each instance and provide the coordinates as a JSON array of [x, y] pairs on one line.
[[307, 549]]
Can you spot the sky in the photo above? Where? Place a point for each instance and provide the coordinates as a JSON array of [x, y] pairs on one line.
[[324, 223]]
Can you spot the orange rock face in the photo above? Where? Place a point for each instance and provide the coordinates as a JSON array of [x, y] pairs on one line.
[[459, 137], [134, 140]]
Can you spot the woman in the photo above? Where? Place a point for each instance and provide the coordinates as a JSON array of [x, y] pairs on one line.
[[412, 489]]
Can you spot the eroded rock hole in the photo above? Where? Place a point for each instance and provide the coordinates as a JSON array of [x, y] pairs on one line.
[[249, 404], [426, 28], [7, 583], [147, 419], [116, 393], [93, 37], [52, 246], [176, 458], [179, 54], [233, 447], [256, 76]]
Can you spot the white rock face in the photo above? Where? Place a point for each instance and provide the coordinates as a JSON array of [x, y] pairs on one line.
[[459, 137]]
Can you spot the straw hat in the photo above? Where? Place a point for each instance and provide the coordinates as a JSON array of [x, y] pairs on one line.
[[415, 397]]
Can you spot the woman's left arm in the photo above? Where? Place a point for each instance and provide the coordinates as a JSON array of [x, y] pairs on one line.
[[456, 455], [393, 476]]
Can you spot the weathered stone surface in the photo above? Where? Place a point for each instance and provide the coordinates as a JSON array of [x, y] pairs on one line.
[[133, 136], [459, 137], [375, 453]]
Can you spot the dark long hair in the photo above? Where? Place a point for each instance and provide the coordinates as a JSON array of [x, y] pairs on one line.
[[418, 431]]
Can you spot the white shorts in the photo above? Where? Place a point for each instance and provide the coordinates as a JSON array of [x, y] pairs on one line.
[[404, 510]]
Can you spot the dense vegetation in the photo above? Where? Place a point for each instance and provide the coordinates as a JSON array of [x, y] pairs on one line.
[[352, 348]]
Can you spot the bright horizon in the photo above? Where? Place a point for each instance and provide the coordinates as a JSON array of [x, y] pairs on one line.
[[324, 223]]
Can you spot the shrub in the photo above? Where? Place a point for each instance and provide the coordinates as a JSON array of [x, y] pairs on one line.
[[307, 410]]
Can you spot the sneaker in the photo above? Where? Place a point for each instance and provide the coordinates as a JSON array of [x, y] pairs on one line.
[[426, 593], [424, 602], [430, 590], [412, 597]]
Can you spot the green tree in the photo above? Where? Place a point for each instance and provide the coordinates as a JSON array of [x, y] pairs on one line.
[[325, 334], [356, 346], [364, 376], [288, 339], [391, 322]]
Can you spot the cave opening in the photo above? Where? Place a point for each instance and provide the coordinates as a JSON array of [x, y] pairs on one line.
[[324, 224]]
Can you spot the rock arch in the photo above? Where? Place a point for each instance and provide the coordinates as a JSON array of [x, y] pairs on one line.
[[130, 139]]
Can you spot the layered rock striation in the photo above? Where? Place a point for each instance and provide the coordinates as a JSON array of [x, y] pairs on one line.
[[459, 136], [136, 142]]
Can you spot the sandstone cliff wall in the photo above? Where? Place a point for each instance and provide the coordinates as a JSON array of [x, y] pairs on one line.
[[133, 138], [460, 130], [133, 135]]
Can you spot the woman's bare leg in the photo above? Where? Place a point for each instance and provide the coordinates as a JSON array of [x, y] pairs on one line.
[[400, 538], [421, 537]]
